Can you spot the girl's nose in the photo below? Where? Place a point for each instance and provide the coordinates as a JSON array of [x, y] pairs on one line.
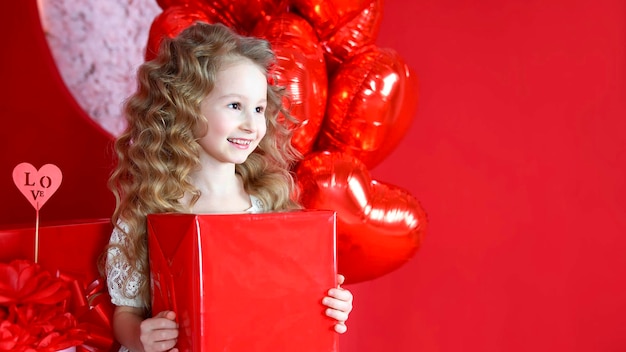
[[248, 123]]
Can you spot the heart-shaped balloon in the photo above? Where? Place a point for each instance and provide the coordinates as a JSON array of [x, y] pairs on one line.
[[170, 23], [242, 15], [379, 226], [371, 102], [327, 15], [356, 34], [37, 185], [301, 69], [164, 4]]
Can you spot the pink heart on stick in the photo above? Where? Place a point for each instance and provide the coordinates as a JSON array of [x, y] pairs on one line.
[[37, 185]]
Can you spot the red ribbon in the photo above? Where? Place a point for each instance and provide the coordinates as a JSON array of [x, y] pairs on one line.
[[46, 313], [93, 310]]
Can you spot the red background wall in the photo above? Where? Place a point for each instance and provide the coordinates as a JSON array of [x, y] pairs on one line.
[[517, 153], [42, 123]]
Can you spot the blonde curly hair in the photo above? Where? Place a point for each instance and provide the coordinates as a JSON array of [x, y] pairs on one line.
[[158, 150]]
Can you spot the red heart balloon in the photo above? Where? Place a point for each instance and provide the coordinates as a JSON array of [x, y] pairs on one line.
[[247, 13], [301, 69], [170, 23], [379, 226], [327, 15], [164, 4], [356, 34], [371, 103]]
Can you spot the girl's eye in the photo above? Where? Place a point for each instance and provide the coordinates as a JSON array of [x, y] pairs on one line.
[[260, 109], [235, 106]]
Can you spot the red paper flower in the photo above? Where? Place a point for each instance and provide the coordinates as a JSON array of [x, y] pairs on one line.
[[33, 310], [13, 336], [23, 282]]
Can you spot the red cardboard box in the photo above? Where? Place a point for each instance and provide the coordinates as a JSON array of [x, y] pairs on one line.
[[245, 282], [71, 250]]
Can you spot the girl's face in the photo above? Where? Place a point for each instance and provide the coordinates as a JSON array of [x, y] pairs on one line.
[[235, 113]]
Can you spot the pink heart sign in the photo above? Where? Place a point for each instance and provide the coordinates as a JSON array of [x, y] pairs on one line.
[[37, 185]]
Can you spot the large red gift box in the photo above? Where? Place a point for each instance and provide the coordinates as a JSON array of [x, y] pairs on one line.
[[245, 282]]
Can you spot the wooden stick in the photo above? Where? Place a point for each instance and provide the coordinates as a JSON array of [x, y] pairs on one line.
[[37, 235]]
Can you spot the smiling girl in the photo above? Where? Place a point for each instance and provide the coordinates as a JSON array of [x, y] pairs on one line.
[[205, 134]]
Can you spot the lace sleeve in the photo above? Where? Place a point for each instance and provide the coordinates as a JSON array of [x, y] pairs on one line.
[[117, 270], [257, 205]]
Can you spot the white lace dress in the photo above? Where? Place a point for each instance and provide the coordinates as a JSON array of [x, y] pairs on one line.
[[118, 270]]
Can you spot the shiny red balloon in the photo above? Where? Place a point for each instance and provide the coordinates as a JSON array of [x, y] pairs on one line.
[[327, 15], [170, 23], [247, 13], [379, 226], [241, 15], [356, 34], [164, 4], [371, 103], [301, 69]]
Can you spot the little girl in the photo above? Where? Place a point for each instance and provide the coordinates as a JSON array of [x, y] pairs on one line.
[[206, 134]]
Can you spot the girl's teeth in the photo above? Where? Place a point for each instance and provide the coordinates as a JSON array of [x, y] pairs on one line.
[[239, 141]]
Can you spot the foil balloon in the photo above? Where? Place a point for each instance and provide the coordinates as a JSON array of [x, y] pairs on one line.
[[379, 226], [170, 23], [371, 102], [301, 69], [327, 15], [356, 34], [244, 13], [164, 4]]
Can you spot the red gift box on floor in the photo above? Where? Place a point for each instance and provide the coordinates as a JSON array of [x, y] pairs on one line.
[[245, 282], [71, 250]]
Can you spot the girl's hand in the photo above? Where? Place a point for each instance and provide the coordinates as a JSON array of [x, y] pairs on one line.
[[160, 332], [339, 303]]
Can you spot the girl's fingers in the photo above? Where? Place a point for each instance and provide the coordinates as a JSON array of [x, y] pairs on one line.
[[159, 333], [333, 303], [164, 345], [158, 324], [339, 303], [341, 328], [338, 315], [340, 294], [167, 314], [165, 335]]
